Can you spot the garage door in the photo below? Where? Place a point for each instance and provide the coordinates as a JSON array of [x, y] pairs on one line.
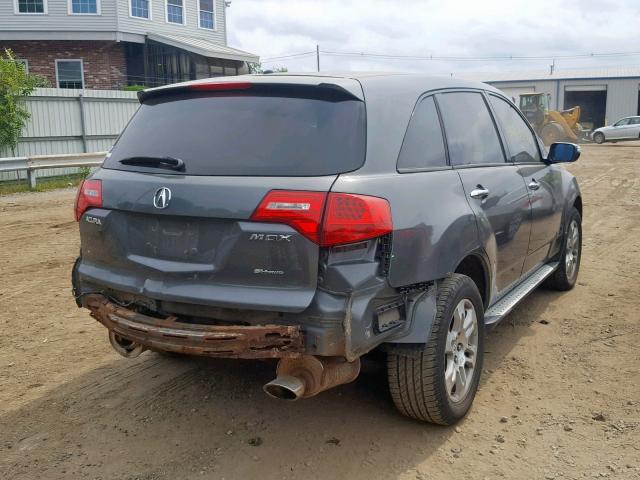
[[514, 92], [592, 100]]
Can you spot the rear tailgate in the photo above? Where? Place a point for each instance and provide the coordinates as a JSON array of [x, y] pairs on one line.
[[202, 248], [198, 245]]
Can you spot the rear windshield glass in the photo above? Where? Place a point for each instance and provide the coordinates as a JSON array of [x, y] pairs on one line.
[[241, 134]]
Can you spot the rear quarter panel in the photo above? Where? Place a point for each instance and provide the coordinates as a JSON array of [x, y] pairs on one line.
[[433, 225]]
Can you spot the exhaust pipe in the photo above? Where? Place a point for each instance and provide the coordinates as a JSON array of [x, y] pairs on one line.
[[125, 347], [307, 376]]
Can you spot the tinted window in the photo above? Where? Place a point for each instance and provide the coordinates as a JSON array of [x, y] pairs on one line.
[[635, 121], [69, 73], [520, 140], [471, 134], [246, 135], [423, 145], [31, 6]]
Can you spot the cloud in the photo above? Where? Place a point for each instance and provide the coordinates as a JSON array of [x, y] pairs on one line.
[[272, 28]]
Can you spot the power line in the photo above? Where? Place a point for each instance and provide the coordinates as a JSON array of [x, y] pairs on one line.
[[269, 59], [479, 58], [453, 57]]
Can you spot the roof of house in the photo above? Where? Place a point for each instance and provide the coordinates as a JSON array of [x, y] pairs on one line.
[[559, 74], [203, 47]]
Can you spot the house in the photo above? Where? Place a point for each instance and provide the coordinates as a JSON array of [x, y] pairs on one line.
[[109, 44]]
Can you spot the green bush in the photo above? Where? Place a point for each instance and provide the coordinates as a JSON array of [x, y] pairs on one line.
[[257, 68], [15, 84], [84, 172], [133, 88]]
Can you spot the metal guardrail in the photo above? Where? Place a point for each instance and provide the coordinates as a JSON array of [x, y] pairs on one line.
[[39, 162]]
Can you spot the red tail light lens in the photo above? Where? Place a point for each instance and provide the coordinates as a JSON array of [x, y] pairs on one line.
[[89, 195], [352, 218], [348, 218], [301, 210]]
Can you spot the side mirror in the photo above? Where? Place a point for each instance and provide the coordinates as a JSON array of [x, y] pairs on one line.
[[563, 153]]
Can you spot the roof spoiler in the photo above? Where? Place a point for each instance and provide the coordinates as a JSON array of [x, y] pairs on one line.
[[330, 90]]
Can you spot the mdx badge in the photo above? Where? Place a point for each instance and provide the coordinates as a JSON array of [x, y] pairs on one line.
[[162, 197], [270, 237]]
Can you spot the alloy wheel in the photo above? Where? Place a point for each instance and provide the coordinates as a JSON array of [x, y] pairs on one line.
[[572, 249], [461, 350]]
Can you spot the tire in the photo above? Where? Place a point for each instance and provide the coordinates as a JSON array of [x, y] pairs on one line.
[[565, 276], [598, 137], [552, 133], [417, 383]]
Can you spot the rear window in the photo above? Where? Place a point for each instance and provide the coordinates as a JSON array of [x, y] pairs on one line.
[[246, 134]]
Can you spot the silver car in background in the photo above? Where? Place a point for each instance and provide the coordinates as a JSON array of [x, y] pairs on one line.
[[627, 128]]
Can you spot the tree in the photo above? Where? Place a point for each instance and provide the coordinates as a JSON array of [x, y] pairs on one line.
[[256, 68], [15, 84]]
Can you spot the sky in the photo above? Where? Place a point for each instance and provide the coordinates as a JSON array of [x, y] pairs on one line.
[[426, 28]]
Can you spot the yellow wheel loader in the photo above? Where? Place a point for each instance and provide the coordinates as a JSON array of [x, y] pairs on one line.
[[552, 125]]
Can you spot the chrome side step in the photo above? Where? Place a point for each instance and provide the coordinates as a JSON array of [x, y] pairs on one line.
[[501, 308]]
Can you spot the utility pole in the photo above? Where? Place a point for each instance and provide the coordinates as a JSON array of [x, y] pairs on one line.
[[318, 57], [227, 4]]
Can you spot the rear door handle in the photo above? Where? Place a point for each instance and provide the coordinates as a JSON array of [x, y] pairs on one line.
[[534, 185], [479, 192]]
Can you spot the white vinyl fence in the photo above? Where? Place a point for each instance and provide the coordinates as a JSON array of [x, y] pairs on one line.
[[71, 121]]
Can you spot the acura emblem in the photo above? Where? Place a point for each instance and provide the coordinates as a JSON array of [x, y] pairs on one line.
[[162, 197]]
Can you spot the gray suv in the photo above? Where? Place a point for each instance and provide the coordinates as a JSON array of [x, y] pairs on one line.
[[316, 218]]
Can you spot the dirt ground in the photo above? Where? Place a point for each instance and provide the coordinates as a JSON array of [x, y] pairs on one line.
[[559, 398]]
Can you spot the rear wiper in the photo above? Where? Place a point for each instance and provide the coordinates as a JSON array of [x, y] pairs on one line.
[[161, 162]]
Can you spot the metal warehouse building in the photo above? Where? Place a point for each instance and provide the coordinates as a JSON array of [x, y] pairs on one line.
[[604, 95]]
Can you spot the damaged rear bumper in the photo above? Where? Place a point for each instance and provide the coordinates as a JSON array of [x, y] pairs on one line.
[[169, 334]]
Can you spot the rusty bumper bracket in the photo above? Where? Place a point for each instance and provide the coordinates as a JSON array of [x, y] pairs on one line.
[[169, 334]]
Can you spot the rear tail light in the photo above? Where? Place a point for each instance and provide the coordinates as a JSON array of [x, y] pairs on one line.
[[352, 218], [300, 210], [89, 195], [348, 218]]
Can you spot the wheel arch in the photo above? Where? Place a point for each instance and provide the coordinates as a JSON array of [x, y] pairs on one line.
[[577, 203], [475, 267]]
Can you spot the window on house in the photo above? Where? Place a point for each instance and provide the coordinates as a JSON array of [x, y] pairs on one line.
[[32, 6], [84, 7], [69, 74], [206, 14], [24, 63], [140, 8], [175, 11]]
